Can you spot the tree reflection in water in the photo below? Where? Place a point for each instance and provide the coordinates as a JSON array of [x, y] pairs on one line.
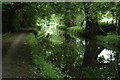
[[81, 59]]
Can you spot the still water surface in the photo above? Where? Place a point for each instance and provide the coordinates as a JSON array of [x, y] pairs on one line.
[[79, 58]]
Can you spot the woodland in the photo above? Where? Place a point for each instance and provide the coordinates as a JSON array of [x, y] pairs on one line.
[[67, 40]]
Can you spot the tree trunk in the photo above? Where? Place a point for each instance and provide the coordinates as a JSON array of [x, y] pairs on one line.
[[118, 18], [90, 57], [11, 17], [118, 25], [91, 53], [113, 14], [88, 21], [91, 21]]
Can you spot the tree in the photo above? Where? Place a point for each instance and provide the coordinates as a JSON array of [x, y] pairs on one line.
[[90, 20], [93, 13], [118, 18], [22, 15]]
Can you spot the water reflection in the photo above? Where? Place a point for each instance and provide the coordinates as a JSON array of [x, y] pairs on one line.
[[79, 58], [107, 55]]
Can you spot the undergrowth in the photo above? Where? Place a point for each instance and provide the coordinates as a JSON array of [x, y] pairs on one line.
[[45, 69], [111, 41]]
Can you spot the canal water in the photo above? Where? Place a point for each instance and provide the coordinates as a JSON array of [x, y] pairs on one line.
[[76, 58]]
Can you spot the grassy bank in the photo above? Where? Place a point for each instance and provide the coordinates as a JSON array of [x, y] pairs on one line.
[[43, 68]]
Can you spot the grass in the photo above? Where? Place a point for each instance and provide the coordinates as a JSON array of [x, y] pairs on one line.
[[44, 68]]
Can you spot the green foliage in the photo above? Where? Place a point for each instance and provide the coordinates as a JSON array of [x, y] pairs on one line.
[[95, 11], [72, 12], [111, 41], [106, 24], [101, 59], [32, 40], [61, 27], [46, 69], [89, 73], [7, 3], [102, 8], [95, 73], [118, 9], [76, 30], [53, 60]]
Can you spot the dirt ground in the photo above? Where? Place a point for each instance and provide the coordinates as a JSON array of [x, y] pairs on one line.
[[16, 56]]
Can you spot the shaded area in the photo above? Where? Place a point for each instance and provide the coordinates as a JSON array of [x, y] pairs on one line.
[[69, 40], [16, 56], [73, 59]]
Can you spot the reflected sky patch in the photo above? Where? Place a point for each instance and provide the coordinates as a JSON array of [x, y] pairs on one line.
[[108, 55]]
